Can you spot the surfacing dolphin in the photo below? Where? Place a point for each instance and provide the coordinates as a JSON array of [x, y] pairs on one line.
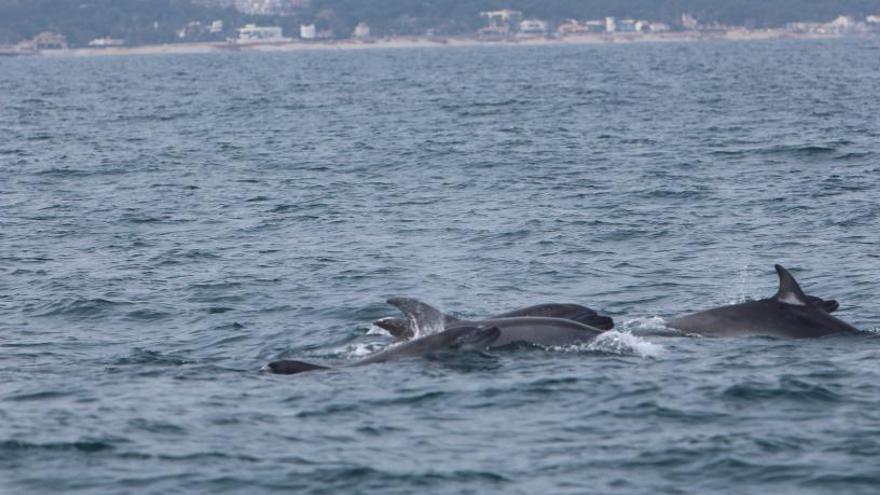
[[402, 328], [472, 337], [788, 314], [535, 330]]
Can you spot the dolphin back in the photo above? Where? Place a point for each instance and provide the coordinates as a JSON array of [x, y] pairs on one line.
[[290, 367], [574, 312], [422, 315], [790, 313]]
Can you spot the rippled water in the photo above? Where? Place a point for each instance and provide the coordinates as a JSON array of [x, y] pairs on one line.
[[169, 224]]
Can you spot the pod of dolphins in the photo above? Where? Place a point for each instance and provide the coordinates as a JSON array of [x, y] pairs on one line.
[[790, 313]]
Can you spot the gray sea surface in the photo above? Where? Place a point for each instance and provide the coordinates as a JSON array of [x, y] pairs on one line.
[[170, 224]]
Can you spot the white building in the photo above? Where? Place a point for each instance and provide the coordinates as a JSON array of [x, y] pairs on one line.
[[252, 33], [191, 30], [501, 22], [626, 26], [653, 27], [842, 24], [106, 42], [307, 31], [571, 26], [610, 25], [595, 26], [533, 27], [361, 31]]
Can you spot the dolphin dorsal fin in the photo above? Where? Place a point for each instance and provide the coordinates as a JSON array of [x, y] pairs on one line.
[[424, 318], [789, 290]]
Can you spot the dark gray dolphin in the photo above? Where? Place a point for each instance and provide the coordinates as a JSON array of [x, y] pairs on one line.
[[402, 328], [788, 314], [534, 330], [460, 337]]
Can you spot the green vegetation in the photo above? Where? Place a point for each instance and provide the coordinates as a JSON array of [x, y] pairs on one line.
[[156, 21]]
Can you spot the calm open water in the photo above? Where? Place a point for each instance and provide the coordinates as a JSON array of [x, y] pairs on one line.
[[169, 224]]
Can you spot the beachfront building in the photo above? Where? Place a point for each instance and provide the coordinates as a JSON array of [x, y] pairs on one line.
[[49, 41], [806, 27], [626, 26], [571, 27], [652, 27], [842, 24], [610, 24], [191, 30], [361, 31], [252, 33], [595, 26], [307, 31], [532, 27], [106, 42], [501, 22]]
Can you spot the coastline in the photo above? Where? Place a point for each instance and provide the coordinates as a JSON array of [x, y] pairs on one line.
[[424, 41]]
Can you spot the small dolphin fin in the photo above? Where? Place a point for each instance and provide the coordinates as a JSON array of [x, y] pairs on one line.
[[829, 306], [289, 367], [789, 290], [422, 316], [398, 327]]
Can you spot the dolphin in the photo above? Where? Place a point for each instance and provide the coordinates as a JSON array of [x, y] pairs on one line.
[[536, 330], [788, 314], [402, 328], [469, 337]]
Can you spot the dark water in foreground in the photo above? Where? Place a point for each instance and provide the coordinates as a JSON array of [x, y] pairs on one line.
[[170, 224]]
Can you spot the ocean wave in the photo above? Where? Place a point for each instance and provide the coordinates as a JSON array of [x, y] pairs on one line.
[[361, 477], [39, 396], [140, 356], [79, 307], [87, 446], [787, 388]]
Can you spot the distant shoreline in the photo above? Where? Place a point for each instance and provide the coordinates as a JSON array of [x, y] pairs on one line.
[[424, 41]]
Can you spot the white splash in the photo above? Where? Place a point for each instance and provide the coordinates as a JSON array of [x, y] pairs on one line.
[[646, 325], [743, 285], [625, 343], [431, 324], [376, 330], [361, 349], [616, 342]]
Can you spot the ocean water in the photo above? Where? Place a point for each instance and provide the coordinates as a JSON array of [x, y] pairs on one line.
[[170, 224]]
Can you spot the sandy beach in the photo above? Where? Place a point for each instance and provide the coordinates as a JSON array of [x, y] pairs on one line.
[[423, 42]]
